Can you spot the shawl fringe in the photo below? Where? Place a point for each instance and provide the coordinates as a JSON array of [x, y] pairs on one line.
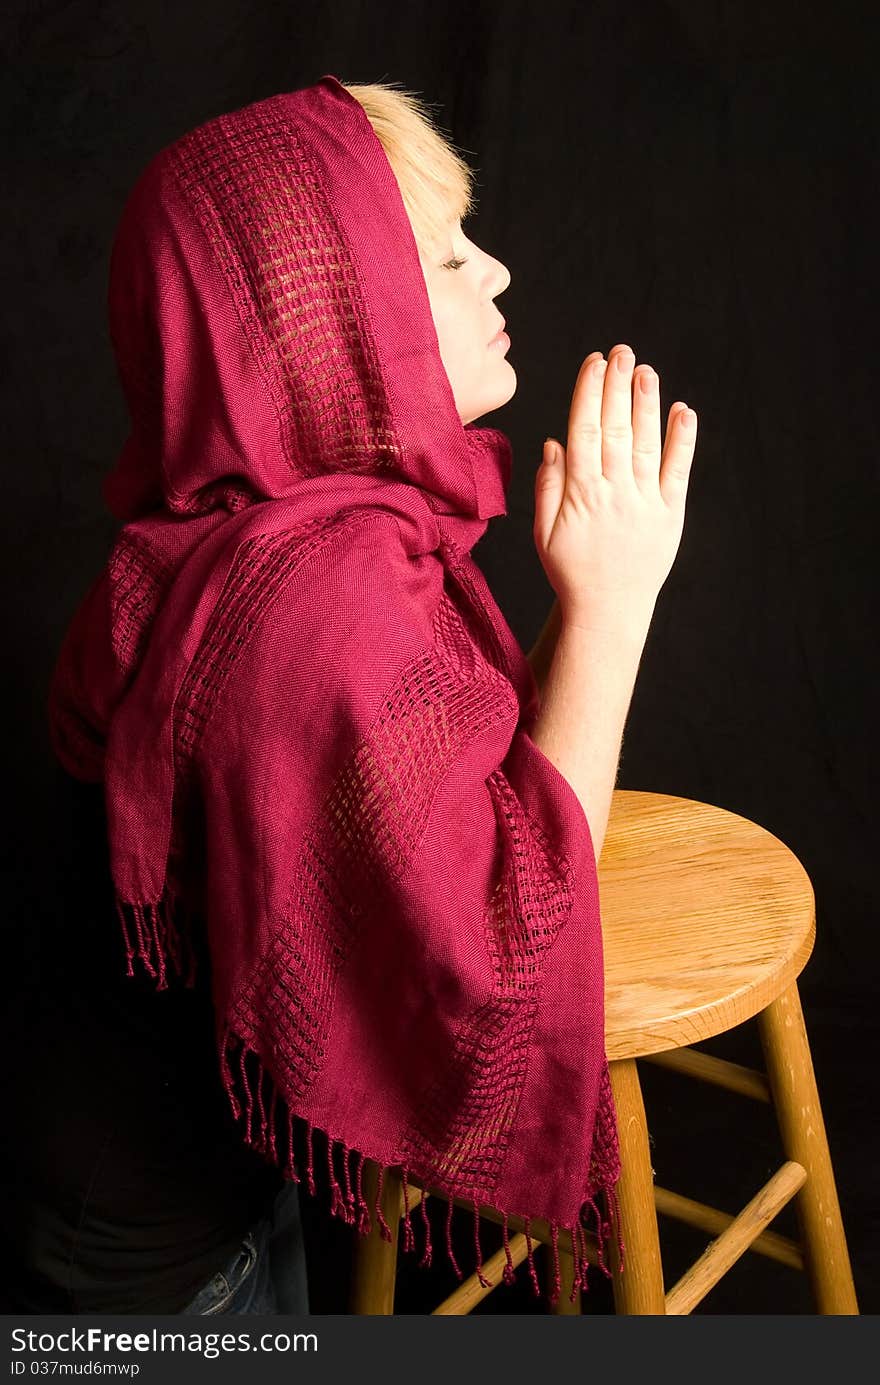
[[164, 938], [164, 942]]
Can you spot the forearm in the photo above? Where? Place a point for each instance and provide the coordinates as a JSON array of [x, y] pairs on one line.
[[585, 701], [540, 656]]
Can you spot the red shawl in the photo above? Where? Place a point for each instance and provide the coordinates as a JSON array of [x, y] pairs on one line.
[[310, 716]]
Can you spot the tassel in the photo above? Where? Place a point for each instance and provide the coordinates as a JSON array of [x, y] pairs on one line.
[[408, 1233], [611, 1195], [160, 933], [248, 1095], [310, 1172], [531, 1255], [601, 1230], [227, 1074], [486, 1283], [509, 1275], [129, 950], [143, 950], [426, 1258], [557, 1281], [577, 1262], [364, 1225], [585, 1261], [384, 1228], [138, 928], [158, 940], [336, 1205], [272, 1150], [148, 939], [152, 940], [349, 1195], [162, 929], [291, 1162], [449, 1241], [145, 937], [262, 1114]]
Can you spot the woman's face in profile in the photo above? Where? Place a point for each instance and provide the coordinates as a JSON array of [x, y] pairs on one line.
[[461, 286]]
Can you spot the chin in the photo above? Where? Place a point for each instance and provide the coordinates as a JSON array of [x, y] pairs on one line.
[[494, 396]]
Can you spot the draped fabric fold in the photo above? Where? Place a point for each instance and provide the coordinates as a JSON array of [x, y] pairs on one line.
[[309, 714]]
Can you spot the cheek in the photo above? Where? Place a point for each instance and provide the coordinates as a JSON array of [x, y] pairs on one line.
[[445, 322], [456, 337]]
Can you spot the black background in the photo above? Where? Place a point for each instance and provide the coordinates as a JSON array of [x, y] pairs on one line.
[[695, 179]]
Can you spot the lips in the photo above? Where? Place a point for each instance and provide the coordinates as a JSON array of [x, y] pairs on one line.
[[502, 324]]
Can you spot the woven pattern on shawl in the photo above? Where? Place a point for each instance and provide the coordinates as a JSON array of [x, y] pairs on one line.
[[297, 293], [365, 834], [124, 602], [139, 579], [261, 571], [605, 1154], [460, 1132]]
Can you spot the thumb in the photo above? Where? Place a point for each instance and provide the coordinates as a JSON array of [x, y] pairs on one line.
[[549, 490]]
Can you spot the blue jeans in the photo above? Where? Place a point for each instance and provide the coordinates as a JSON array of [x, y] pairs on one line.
[[267, 1274]]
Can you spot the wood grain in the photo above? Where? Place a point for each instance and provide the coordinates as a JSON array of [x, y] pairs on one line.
[[706, 918]]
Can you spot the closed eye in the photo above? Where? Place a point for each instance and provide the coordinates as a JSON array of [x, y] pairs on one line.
[[454, 263]]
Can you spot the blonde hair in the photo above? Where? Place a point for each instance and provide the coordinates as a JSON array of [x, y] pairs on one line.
[[436, 183]]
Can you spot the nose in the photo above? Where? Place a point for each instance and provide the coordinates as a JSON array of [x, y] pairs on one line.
[[499, 276]]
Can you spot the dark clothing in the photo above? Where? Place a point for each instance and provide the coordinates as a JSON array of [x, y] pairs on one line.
[[126, 1181], [267, 1274]]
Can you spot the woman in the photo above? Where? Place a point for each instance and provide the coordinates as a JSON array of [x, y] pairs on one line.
[[334, 794]]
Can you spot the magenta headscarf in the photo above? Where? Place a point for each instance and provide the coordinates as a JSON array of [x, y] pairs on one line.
[[310, 716]]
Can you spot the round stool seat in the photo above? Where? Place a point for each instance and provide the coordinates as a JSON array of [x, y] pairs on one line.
[[706, 918]]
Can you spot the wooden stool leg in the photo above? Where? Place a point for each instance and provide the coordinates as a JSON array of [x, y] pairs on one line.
[[796, 1100], [374, 1261], [640, 1288]]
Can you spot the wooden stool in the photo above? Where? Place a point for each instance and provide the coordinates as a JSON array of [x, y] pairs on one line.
[[707, 921]]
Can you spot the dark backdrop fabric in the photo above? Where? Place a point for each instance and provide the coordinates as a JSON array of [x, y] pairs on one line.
[[696, 179]]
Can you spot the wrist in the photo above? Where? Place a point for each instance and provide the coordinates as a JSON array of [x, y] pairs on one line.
[[625, 618]]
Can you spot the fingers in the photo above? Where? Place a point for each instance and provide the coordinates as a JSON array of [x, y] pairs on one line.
[[617, 415], [583, 455], [549, 490], [647, 442], [678, 453], [614, 429]]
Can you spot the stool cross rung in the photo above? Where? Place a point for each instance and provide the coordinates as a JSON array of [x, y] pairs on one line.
[[734, 1077], [743, 1230], [713, 1220]]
